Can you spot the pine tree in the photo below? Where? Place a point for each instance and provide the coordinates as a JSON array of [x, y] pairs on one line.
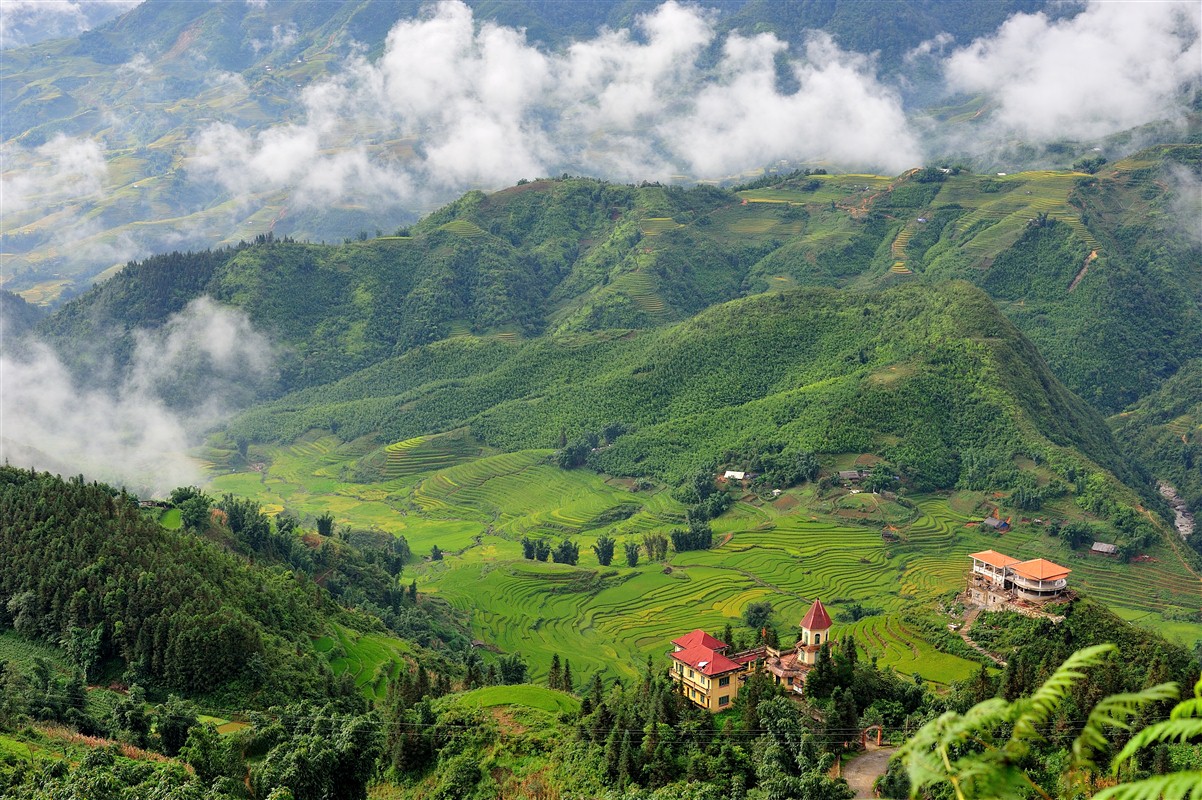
[[567, 677], [555, 675], [627, 761]]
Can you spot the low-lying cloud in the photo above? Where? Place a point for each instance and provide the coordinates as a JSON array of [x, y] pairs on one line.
[[183, 380], [25, 22], [63, 169], [1113, 66], [482, 106]]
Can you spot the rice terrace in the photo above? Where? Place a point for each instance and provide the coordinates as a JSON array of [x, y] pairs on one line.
[[787, 550]]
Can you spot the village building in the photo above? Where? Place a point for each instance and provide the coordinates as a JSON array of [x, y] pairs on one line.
[[1103, 549], [711, 678], [1001, 581], [707, 675], [734, 475]]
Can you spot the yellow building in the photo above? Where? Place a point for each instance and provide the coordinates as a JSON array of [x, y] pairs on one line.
[[708, 677], [711, 679]]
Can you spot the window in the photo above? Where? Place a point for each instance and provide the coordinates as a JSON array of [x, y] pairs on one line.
[[817, 638], [724, 700], [724, 681], [690, 673]]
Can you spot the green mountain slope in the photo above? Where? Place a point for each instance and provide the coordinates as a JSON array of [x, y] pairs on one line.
[[1165, 430], [1095, 270], [918, 374]]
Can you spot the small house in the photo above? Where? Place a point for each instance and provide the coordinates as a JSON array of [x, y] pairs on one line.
[[1104, 549], [996, 524], [733, 475]]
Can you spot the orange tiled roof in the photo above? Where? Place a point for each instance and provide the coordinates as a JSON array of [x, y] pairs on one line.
[[995, 559], [816, 619], [706, 661], [1040, 569], [699, 638]]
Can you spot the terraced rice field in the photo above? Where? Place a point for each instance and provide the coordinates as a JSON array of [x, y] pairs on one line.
[[893, 644], [653, 226], [371, 658], [1000, 218], [640, 287], [426, 454], [464, 228], [611, 619]]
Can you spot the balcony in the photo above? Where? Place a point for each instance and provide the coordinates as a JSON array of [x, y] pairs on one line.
[[1029, 585]]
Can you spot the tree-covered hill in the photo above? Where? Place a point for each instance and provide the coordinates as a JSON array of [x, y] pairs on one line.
[[1165, 429], [932, 379], [1094, 268], [224, 605]]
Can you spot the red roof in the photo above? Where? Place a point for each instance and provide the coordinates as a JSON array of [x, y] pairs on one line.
[[706, 661], [699, 638], [816, 619], [1040, 569], [995, 559]]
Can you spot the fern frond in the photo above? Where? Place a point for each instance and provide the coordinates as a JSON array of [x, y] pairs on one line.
[[1191, 707], [1114, 712], [1038, 709], [929, 755], [1171, 730], [1175, 786], [1187, 708]]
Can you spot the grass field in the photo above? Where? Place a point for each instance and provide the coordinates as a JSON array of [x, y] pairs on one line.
[[524, 695]]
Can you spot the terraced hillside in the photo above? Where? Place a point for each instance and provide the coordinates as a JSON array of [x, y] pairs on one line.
[[785, 551]]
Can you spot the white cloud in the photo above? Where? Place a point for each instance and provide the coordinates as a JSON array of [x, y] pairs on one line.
[[1111, 67], [487, 107], [61, 170], [183, 379], [24, 22]]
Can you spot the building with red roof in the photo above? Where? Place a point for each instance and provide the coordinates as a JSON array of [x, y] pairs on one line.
[[711, 677], [707, 675]]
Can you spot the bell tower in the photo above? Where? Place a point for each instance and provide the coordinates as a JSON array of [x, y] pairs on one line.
[[815, 630]]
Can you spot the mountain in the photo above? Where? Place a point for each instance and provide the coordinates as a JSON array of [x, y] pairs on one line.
[[1093, 268], [104, 130], [922, 376]]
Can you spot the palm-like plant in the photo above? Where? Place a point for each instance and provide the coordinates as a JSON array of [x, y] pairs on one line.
[[981, 753]]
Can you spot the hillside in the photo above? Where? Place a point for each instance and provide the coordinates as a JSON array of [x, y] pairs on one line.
[[917, 374], [1094, 269], [1165, 429], [105, 127]]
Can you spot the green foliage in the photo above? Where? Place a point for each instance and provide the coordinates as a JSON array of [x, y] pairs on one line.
[[775, 368], [180, 612], [983, 753], [604, 549]]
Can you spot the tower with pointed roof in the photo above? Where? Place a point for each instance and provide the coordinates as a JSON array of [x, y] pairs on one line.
[[815, 630]]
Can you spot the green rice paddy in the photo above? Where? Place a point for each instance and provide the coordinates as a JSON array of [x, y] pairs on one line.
[[609, 619]]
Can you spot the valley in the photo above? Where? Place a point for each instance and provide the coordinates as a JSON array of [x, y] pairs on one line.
[[604, 400], [786, 550]]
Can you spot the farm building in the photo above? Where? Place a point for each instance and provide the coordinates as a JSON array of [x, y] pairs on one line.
[[711, 679], [853, 475], [1103, 549], [996, 524], [998, 580], [733, 475]]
